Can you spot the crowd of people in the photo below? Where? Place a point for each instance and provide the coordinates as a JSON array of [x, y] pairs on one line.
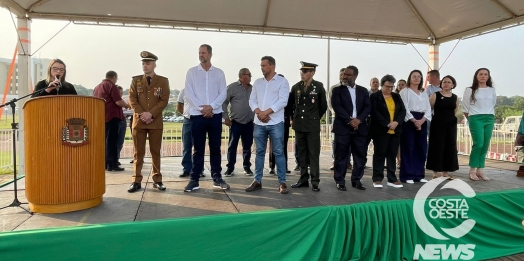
[[412, 128]]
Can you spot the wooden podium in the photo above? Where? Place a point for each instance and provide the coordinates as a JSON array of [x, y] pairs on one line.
[[64, 143]]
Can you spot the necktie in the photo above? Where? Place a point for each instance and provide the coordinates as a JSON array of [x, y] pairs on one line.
[[148, 80]]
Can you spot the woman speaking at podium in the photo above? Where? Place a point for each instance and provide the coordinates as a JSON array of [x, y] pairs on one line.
[[55, 83]]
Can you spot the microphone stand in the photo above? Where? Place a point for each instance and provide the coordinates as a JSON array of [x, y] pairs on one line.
[[14, 127]]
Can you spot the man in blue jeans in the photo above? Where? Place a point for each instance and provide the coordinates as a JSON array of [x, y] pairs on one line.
[[187, 140], [268, 99], [239, 118], [205, 92]]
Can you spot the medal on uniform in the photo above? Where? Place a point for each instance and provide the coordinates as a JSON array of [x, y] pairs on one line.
[[158, 92], [313, 92]]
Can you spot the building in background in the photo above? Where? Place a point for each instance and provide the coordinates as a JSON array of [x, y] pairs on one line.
[[38, 72]]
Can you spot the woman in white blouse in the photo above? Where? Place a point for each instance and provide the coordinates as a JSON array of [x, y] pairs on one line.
[[413, 140], [478, 106]]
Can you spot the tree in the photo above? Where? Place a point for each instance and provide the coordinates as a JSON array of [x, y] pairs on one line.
[[81, 90]]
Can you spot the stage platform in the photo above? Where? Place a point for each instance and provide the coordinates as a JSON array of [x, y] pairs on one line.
[[151, 204]]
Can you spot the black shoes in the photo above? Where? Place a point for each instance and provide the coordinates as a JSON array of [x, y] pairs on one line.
[[228, 173], [315, 188], [300, 184], [159, 186], [115, 169], [358, 185], [272, 171], [192, 185], [248, 172], [131, 161], [341, 187], [134, 187], [297, 168], [288, 171]]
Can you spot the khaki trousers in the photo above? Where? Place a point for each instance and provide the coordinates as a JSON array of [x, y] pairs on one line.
[[155, 144]]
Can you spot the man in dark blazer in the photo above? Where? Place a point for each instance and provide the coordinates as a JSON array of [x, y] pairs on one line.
[[352, 107]]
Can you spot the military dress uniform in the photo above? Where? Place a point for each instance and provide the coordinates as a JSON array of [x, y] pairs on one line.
[[310, 104], [148, 94]]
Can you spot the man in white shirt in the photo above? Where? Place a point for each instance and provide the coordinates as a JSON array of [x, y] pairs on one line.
[[205, 92], [268, 99]]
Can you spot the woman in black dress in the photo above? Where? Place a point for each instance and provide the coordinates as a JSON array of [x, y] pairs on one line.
[[442, 151], [55, 82]]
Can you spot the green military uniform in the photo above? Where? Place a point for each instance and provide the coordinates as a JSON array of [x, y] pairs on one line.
[[310, 104], [149, 97]]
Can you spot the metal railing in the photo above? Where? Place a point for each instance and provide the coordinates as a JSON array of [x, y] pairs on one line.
[[501, 148]]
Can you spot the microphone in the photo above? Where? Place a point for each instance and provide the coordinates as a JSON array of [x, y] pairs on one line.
[[59, 83]]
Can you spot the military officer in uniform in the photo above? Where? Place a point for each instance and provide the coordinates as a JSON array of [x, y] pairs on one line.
[[148, 96], [308, 98]]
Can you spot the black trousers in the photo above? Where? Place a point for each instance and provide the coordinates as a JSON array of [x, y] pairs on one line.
[[386, 149], [359, 149], [112, 142], [308, 144]]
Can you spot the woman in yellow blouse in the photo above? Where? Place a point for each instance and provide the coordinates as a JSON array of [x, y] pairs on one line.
[[387, 115]]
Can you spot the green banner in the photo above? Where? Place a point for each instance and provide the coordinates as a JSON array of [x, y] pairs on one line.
[[383, 230]]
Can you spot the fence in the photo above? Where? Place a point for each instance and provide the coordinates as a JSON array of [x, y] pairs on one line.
[[501, 148]]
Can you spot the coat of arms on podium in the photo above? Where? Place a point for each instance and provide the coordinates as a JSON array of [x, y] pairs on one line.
[[75, 133]]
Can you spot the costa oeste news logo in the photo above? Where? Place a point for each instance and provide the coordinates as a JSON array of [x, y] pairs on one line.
[[444, 208]]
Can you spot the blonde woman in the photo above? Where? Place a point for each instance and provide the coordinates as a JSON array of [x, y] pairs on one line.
[[55, 83]]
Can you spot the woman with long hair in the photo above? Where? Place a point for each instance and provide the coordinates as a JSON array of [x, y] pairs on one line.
[[55, 82], [478, 106], [442, 150], [413, 140]]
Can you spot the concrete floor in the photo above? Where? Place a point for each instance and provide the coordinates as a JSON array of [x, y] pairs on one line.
[[150, 203]]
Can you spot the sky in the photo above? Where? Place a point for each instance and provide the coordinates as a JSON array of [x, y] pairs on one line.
[[90, 51]]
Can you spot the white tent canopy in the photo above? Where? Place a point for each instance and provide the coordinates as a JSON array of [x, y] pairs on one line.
[[393, 21]]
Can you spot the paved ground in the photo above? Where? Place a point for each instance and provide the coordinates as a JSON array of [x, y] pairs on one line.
[[149, 203]]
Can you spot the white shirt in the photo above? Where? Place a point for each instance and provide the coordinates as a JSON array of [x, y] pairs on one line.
[[432, 89], [181, 99], [353, 95], [270, 94], [415, 102], [485, 104], [205, 88]]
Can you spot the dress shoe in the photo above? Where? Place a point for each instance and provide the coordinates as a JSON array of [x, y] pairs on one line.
[[134, 187], [118, 163], [283, 188], [202, 175], [315, 188], [272, 172], [183, 175], [159, 186], [131, 161], [358, 185], [341, 187], [254, 186], [300, 184], [115, 169], [297, 168], [288, 171]]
